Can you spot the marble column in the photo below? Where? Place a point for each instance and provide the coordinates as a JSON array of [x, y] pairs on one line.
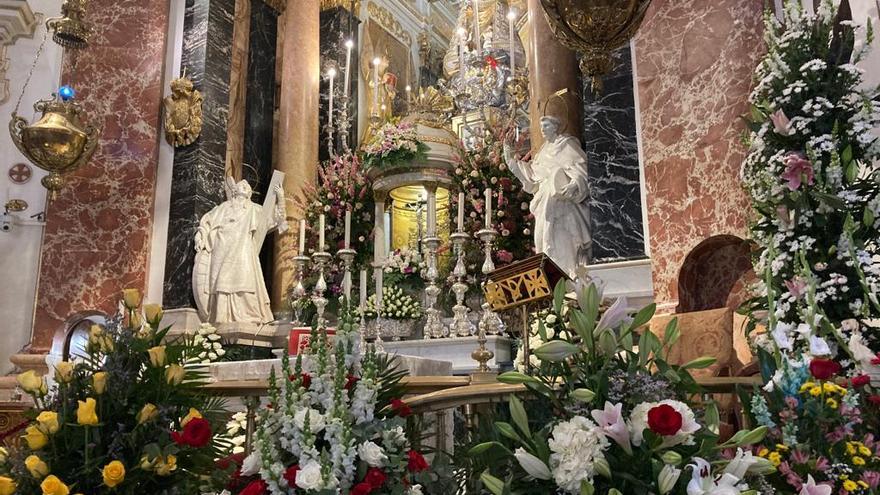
[[97, 236], [297, 127], [551, 67], [199, 169], [235, 123], [338, 25]]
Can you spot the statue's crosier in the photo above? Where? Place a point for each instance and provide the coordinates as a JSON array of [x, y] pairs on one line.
[[228, 281], [557, 177]]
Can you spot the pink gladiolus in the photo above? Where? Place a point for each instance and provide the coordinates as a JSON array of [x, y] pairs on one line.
[[781, 123], [797, 171]]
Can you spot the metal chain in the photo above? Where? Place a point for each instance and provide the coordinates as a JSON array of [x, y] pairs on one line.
[[31, 72]]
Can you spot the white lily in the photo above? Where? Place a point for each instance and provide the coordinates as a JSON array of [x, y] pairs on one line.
[[704, 483], [668, 478], [532, 465], [610, 420]]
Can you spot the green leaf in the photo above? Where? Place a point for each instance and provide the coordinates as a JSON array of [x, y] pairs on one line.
[[847, 155], [492, 483], [868, 218], [555, 351], [485, 447], [519, 416], [672, 376], [700, 363], [587, 488], [584, 395], [713, 419], [852, 172], [672, 333], [516, 378], [608, 343], [559, 297], [582, 325], [644, 315], [507, 430]]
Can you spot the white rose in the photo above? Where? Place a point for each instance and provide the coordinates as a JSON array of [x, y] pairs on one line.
[[309, 476], [252, 464], [415, 490], [316, 420], [372, 454]]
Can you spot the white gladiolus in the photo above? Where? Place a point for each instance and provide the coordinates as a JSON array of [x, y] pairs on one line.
[[532, 465]]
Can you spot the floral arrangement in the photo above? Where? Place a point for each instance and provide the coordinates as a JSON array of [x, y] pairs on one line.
[[603, 435], [482, 167], [127, 418], [336, 425], [404, 267], [396, 305], [393, 144], [207, 343], [811, 173]]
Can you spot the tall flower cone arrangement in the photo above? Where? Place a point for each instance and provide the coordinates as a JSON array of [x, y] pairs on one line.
[[127, 418]]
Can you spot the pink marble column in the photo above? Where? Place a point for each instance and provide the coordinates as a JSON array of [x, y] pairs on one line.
[[694, 61], [551, 67], [297, 135], [97, 237]]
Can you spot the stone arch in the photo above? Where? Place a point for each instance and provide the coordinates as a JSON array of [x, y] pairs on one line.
[[715, 274]]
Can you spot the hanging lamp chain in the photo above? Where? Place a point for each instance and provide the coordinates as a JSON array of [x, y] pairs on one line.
[[27, 80]]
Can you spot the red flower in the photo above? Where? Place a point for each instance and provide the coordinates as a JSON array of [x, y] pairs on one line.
[[491, 62], [375, 477], [876, 360], [861, 380], [235, 461], [257, 487], [290, 475], [351, 382], [823, 369], [401, 408], [306, 379], [196, 433], [664, 420], [874, 399], [361, 489], [416, 462]]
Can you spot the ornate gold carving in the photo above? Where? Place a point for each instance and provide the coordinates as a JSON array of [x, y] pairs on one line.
[[16, 205], [183, 113], [345, 4], [387, 20], [527, 281], [70, 30]]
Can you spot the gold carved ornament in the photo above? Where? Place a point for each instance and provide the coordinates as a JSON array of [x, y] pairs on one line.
[[528, 281], [183, 113], [387, 20], [595, 28]]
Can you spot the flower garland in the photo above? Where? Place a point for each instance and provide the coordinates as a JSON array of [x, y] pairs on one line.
[[393, 144]]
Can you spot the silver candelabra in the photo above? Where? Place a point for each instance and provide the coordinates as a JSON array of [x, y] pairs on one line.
[[461, 325], [320, 260], [299, 290], [434, 327], [490, 322]]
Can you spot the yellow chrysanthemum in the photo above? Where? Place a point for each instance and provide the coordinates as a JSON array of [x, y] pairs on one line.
[[865, 451], [831, 403], [816, 391], [781, 447], [807, 386], [858, 461], [763, 452], [775, 458], [850, 485], [851, 448]]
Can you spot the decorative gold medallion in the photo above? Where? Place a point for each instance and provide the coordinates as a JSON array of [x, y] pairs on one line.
[[20, 173], [183, 113]]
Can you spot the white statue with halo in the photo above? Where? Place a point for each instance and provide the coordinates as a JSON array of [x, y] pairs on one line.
[[557, 177], [228, 281]]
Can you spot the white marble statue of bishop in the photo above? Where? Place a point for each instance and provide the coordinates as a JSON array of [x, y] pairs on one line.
[[228, 281], [557, 177]]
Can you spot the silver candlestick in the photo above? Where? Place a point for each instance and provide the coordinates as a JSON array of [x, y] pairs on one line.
[[490, 320], [344, 122], [347, 256], [320, 260], [434, 327], [461, 325], [299, 291]]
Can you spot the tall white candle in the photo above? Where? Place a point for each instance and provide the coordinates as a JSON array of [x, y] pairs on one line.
[[349, 44], [478, 42], [302, 237], [332, 74], [376, 62], [432, 212], [377, 274], [347, 229], [363, 282], [321, 232], [460, 212], [488, 208], [511, 17]]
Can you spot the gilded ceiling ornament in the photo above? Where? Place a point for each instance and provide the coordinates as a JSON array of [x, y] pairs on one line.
[[345, 4], [183, 113], [431, 108], [595, 28]]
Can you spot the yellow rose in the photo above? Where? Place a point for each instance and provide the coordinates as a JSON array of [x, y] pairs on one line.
[[157, 356], [192, 414], [113, 473], [166, 465], [148, 412], [131, 298], [135, 321], [36, 467], [153, 312], [96, 334], [64, 372], [85, 413], [48, 422], [99, 382], [53, 486], [32, 383], [174, 374], [7, 486], [35, 438]]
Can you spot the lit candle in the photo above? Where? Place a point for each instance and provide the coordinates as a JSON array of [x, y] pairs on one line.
[[332, 75], [511, 17], [347, 229], [302, 236], [377, 274], [349, 44], [376, 62], [461, 212], [516, 133], [488, 196], [363, 282], [478, 42], [321, 232]]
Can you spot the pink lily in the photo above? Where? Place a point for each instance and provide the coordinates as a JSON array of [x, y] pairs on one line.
[[610, 421], [781, 123], [797, 171], [811, 488]]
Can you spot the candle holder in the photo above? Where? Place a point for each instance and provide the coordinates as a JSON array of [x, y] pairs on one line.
[[461, 325], [344, 123], [490, 320], [377, 342], [482, 355], [347, 256], [320, 260], [299, 290], [434, 327], [331, 150]]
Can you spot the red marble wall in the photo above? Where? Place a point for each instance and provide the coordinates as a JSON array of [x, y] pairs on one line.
[[694, 63], [97, 238]]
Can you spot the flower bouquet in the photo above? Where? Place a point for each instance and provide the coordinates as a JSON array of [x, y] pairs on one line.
[[335, 425], [127, 418], [613, 418], [396, 305], [404, 268], [393, 144]]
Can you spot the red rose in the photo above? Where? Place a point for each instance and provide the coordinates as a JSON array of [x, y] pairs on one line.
[[416, 462], [375, 477], [664, 420], [305, 379], [196, 433], [361, 489], [401, 408], [350, 382], [823, 369], [290, 475], [861, 380], [874, 399], [258, 487]]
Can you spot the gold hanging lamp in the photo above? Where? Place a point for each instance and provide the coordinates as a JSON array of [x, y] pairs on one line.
[[70, 30], [595, 28]]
